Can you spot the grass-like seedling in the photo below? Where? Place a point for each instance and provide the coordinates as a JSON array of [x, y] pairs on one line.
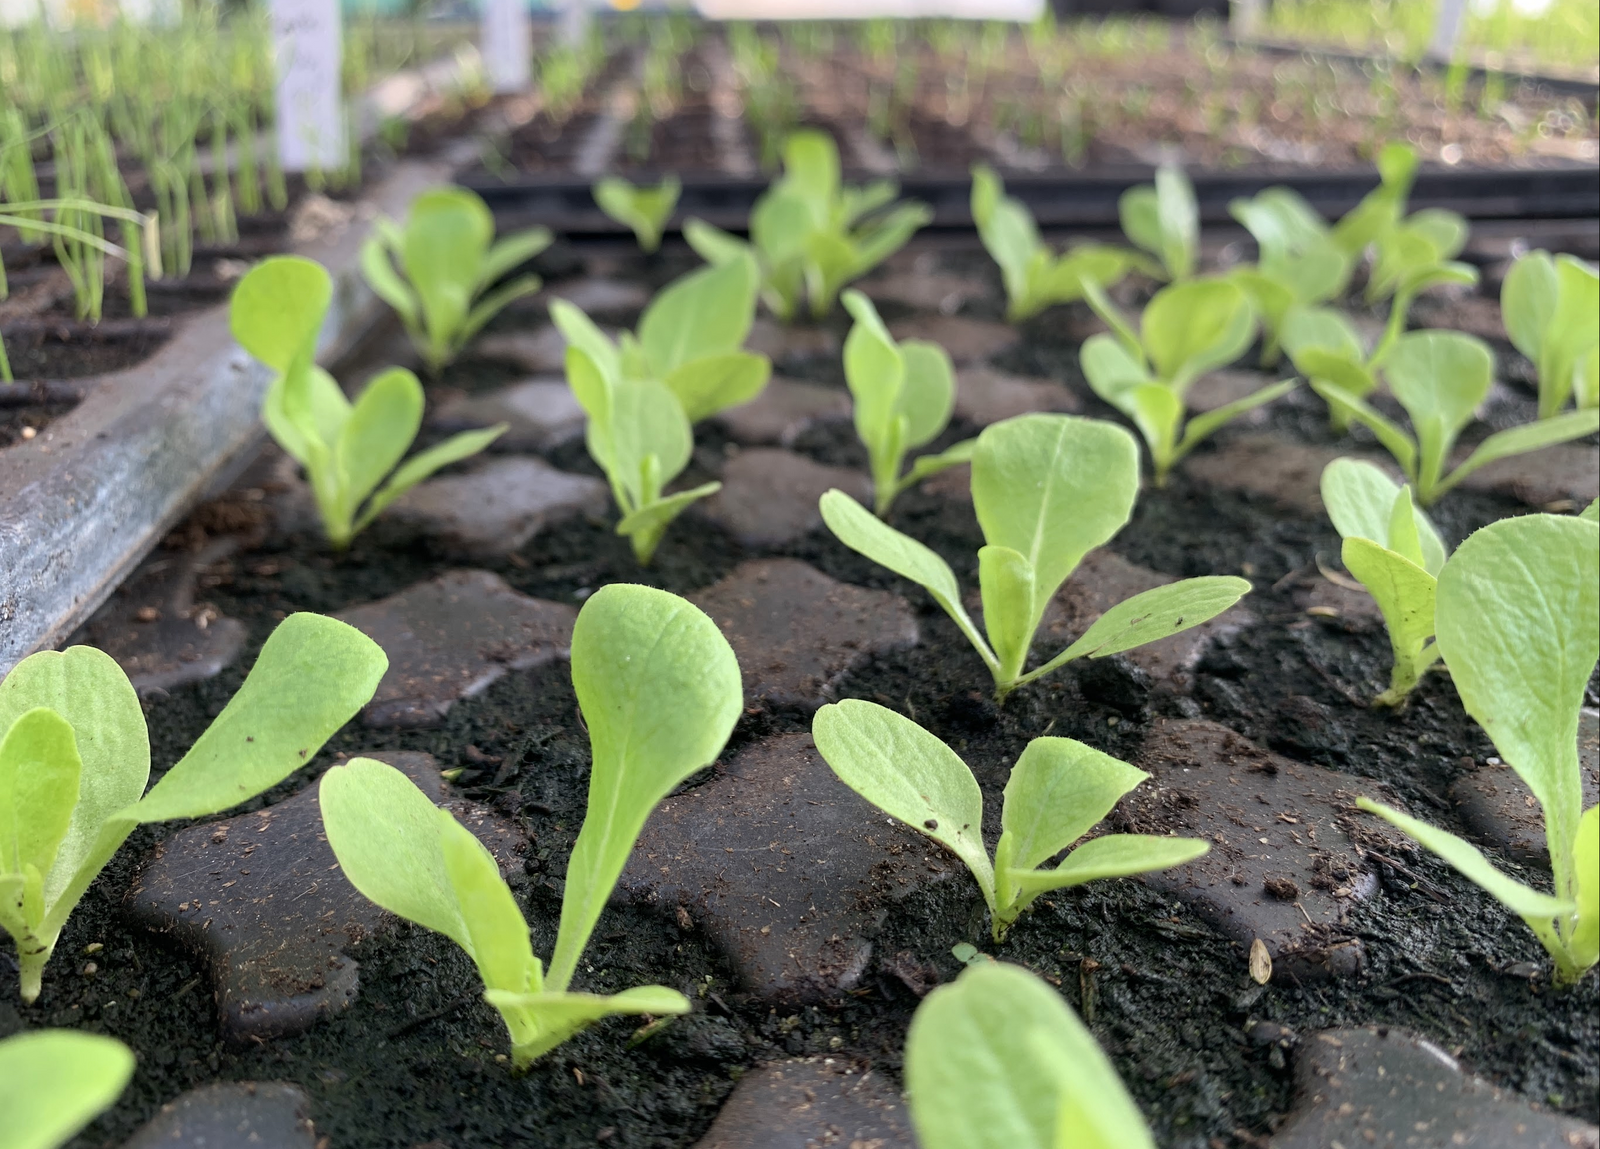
[[1551, 309], [1058, 790], [903, 394], [1440, 378], [53, 1082], [811, 235], [644, 209], [1299, 264], [75, 757], [1035, 277], [1518, 617], [1163, 219], [659, 690], [346, 448], [1393, 549], [1186, 330], [448, 261], [996, 1060], [1048, 489], [643, 396]]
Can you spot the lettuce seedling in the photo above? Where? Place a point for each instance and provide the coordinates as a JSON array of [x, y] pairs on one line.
[[1058, 790], [659, 691], [447, 262], [1393, 549], [646, 210], [903, 394], [75, 757], [1440, 378], [1551, 309], [346, 448], [53, 1082], [810, 235], [643, 395], [1518, 617], [1035, 277], [1186, 330], [1384, 206], [1416, 252], [996, 1060], [1298, 265], [1163, 219], [1048, 489]]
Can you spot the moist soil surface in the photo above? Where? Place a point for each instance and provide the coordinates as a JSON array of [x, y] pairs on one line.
[[415, 1061]]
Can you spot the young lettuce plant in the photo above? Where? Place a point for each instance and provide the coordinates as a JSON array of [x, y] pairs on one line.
[[53, 1082], [644, 209], [1048, 489], [1163, 219], [1186, 330], [996, 1060], [1035, 277], [1440, 378], [810, 235], [75, 757], [1299, 264], [643, 396], [448, 261], [1058, 790], [1393, 549], [1384, 206], [1418, 252], [659, 690], [346, 448], [1518, 617], [1551, 309], [903, 394]]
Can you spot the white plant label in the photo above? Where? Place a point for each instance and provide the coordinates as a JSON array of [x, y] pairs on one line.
[[306, 36], [507, 44]]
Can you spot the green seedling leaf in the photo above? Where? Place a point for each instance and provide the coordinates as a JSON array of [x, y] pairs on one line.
[[420, 466], [346, 448], [559, 1016], [1112, 856], [1518, 620], [1549, 306], [714, 383], [74, 715], [659, 688], [910, 775], [645, 210], [1585, 941], [1562, 428], [1393, 437], [707, 312], [1440, 378], [996, 1060], [712, 244], [646, 525], [1381, 208], [53, 1082], [1191, 328]]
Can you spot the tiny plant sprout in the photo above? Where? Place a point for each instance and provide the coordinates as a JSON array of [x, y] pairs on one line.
[[1164, 220], [1186, 330], [1392, 548], [996, 1060], [448, 261], [903, 394], [811, 235], [75, 757], [1382, 207], [349, 450], [1518, 619], [1058, 790], [659, 690], [1048, 489], [1035, 277], [53, 1082], [1324, 346], [1551, 309], [644, 209], [1440, 378], [643, 395], [1299, 264]]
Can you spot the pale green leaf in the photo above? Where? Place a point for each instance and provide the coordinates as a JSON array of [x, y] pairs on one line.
[[1584, 944], [541, 1021], [1058, 789], [1005, 579], [1191, 328], [1153, 615], [384, 420], [510, 252], [1518, 623], [1179, 217], [446, 237], [313, 674], [53, 1082], [1111, 856], [908, 774], [308, 435], [1524, 901], [1360, 500], [659, 689], [580, 332], [1324, 328], [714, 383], [927, 392], [646, 210], [1207, 423], [1528, 300], [1140, 216], [1393, 437], [811, 165], [874, 369], [417, 468], [647, 524], [377, 268], [39, 769], [1440, 378], [488, 306], [1523, 439], [707, 312], [277, 309], [1405, 594], [996, 1059], [712, 244], [498, 935], [952, 456], [1110, 369]]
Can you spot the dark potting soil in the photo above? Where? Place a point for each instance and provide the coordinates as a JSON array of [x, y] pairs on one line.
[[413, 1061]]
